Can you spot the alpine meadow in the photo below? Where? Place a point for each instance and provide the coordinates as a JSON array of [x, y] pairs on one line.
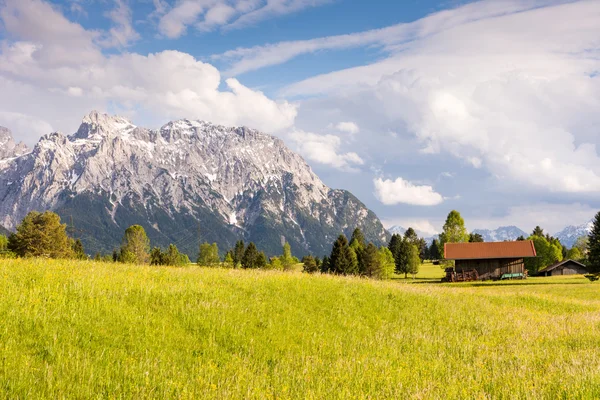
[[84, 329], [299, 199]]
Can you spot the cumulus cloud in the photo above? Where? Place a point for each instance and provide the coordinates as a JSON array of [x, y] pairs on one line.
[[401, 191], [520, 103], [62, 60], [31, 127], [325, 149], [348, 127]]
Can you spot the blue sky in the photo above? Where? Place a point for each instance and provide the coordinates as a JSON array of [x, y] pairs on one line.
[[417, 107]]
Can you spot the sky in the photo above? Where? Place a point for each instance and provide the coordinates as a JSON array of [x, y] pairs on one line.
[[418, 107]]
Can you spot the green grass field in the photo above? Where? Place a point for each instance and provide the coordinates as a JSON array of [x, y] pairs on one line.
[[90, 330]]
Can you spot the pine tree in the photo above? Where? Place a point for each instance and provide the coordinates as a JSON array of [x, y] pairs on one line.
[[78, 251], [238, 253], [353, 266], [41, 235], [394, 245], [340, 260], [135, 242], [325, 265], [475, 238], [372, 266], [538, 232], [593, 246], [358, 238], [310, 265], [261, 260], [249, 260], [411, 236], [434, 250]]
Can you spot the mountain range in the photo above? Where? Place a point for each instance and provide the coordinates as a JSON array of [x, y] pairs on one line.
[[567, 236], [187, 182]]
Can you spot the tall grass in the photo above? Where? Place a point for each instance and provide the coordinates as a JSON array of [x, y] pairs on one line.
[[90, 330]]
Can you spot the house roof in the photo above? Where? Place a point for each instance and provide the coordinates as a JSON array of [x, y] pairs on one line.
[[561, 263], [490, 250]]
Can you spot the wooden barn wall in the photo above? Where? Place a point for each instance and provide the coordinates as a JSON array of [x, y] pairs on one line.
[[492, 268], [569, 270]]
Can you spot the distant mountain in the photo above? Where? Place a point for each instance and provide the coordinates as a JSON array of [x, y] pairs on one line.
[[502, 234], [570, 234], [8, 147], [397, 229], [186, 182]]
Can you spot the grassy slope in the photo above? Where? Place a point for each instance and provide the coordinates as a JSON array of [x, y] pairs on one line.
[[92, 330]]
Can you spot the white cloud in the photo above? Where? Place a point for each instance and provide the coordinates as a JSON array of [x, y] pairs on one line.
[[551, 217], [348, 127], [229, 14], [324, 149], [389, 39], [505, 94], [174, 23], [31, 127], [169, 84], [401, 191], [122, 34]]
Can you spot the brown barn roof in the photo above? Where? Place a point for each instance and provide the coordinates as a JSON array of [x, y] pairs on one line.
[[470, 251], [558, 264]]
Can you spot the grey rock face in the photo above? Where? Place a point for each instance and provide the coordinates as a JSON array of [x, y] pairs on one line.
[[8, 147], [232, 182]]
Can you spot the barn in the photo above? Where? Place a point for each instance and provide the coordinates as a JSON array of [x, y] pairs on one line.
[[493, 260], [565, 267]]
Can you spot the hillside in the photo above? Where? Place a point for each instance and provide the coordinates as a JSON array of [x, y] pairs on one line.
[[187, 182], [91, 330]]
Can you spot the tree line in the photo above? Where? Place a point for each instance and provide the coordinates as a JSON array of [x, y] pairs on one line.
[[43, 235]]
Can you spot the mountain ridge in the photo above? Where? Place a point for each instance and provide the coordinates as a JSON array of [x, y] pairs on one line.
[[185, 182]]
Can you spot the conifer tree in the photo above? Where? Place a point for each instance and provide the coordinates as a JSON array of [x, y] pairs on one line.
[[411, 236], [325, 265], [261, 260], [238, 253], [434, 250], [250, 258], [309, 265], [372, 266], [341, 259], [78, 251], [594, 246]]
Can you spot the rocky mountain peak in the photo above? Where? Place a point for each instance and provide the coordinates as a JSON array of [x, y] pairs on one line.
[[8, 147], [96, 125], [229, 183]]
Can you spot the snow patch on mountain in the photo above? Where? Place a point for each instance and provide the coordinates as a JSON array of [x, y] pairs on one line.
[[569, 235], [501, 234]]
